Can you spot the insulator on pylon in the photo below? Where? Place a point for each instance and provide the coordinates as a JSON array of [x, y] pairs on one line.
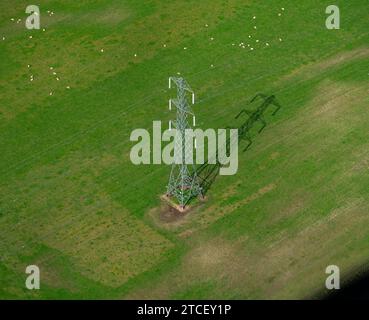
[[193, 98], [194, 121]]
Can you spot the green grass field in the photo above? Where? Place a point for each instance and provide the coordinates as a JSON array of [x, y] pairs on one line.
[[72, 203]]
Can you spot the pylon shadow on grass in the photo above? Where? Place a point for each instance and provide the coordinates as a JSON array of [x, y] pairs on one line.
[[208, 172]]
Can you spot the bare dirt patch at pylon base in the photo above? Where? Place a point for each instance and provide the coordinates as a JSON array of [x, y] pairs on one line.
[[170, 216], [171, 212], [176, 207]]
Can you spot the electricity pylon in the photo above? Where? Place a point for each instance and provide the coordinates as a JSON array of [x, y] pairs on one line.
[[183, 182]]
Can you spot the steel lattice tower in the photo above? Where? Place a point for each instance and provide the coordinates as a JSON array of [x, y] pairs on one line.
[[183, 182]]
